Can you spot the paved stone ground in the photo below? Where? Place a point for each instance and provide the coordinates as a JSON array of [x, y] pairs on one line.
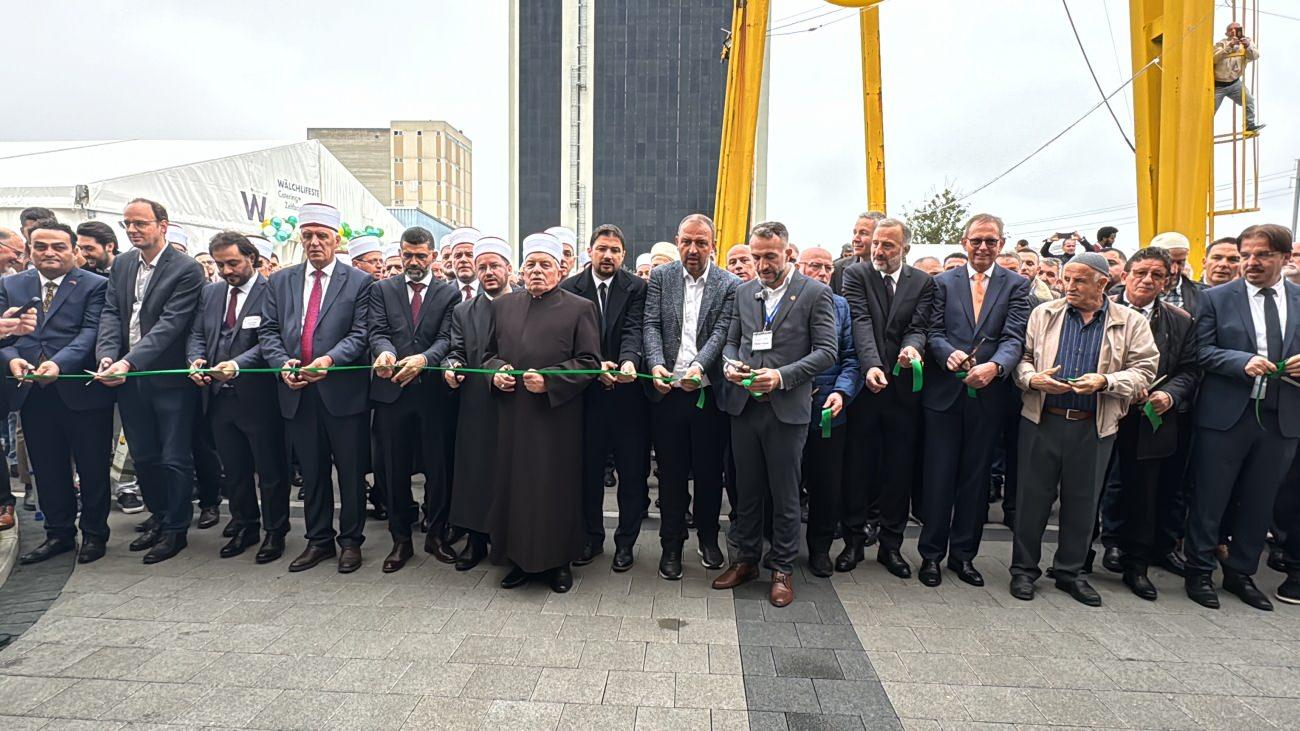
[[201, 641]]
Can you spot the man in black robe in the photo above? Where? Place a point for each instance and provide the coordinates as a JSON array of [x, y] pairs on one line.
[[476, 424], [536, 522]]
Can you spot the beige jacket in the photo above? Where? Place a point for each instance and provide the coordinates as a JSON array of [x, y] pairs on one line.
[[1230, 63], [1128, 360]]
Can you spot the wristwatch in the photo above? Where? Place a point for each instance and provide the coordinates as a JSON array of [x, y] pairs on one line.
[[1001, 370]]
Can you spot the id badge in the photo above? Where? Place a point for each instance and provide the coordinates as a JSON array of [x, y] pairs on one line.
[[761, 341]]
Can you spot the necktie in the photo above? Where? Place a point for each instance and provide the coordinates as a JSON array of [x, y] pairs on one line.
[[602, 293], [1272, 324], [416, 301], [50, 289], [313, 313], [889, 293], [977, 293], [231, 308], [467, 293]]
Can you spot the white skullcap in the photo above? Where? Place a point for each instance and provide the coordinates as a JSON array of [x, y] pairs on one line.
[[444, 242], [492, 245], [663, 248], [583, 258], [643, 261], [177, 235], [343, 259], [362, 245], [543, 243], [392, 250], [319, 214], [1171, 240], [464, 235], [564, 234], [264, 247]]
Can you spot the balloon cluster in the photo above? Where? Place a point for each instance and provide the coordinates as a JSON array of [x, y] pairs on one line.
[[279, 229], [347, 233]]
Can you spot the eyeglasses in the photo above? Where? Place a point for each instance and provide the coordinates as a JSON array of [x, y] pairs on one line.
[[985, 243], [127, 224], [818, 266]]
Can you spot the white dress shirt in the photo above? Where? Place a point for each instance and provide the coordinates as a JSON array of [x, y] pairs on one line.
[[692, 298], [894, 275], [309, 280], [1256, 299], [142, 277], [46, 282], [609, 285], [460, 289], [428, 280], [243, 298], [772, 297]]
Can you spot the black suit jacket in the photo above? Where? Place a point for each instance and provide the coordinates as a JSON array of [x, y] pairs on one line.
[[837, 273], [620, 339], [1174, 333], [391, 329], [880, 332], [245, 347], [166, 314]]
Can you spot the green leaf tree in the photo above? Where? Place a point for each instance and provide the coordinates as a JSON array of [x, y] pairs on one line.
[[937, 220]]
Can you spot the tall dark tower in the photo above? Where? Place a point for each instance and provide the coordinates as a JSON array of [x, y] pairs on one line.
[[616, 112]]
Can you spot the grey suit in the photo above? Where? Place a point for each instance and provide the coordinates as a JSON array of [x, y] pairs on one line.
[[768, 433]]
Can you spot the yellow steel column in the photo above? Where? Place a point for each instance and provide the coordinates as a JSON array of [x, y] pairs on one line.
[[739, 123], [1144, 34], [873, 107]]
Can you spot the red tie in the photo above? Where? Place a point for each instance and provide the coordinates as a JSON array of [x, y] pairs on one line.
[[469, 293], [231, 308], [416, 301], [313, 313]]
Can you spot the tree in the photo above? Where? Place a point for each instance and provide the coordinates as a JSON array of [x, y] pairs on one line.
[[938, 220]]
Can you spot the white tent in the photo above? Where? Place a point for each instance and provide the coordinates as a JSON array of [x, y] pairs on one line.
[[206, 185]]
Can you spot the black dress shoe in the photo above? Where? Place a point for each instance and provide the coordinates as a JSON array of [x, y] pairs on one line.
[[237, 544], [1288, 592], [966, 571], [1081, 590], [609, 478], [690, 520], [452, 534], [272, 549], [436, 545], [47, 550], [515, 579], [1138, 583], [209, 517], [1200, 589], [820, 564], [670, 564], [1277, 559], [230, 530], [852, 554], [1022, 587], [92, 549], [350, 559], [622, 559], [589, 553], [1244, 587], [147, 539], [297, 481], [302, 492], [711, 556], [893, 561], [1111, 560], [167, 546], [397, 558], [870, 536], [311, 556], [929, 574], [561, 580], [147, 524], [474, 553], [377, 512], [1173, 563]]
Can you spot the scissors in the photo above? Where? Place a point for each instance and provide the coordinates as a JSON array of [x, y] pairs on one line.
[[969, 361]]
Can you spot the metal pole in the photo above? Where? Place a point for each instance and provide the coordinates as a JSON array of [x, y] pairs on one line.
[[1295, 202]]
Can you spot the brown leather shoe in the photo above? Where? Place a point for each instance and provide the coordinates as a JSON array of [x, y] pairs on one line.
[[435, 544], [782, 592], [735, 575], [6, 517], [349, 559], [397, 558], [311, 556]]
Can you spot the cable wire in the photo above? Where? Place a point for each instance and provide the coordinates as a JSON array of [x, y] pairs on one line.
[[1095, 80]]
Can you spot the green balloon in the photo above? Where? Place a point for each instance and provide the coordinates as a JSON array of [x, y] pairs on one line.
[[293, 220]]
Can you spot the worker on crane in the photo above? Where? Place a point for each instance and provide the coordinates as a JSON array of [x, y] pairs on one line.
[[1230, 58]]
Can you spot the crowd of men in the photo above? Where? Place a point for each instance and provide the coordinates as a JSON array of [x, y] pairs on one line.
[[852, 394]]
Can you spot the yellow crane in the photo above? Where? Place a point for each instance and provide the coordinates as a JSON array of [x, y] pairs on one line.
[[1173, 105]]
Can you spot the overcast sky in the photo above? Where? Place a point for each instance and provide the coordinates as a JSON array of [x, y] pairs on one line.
[[969, 88]]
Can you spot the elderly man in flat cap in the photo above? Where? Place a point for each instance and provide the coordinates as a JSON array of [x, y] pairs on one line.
[[1086, 360]]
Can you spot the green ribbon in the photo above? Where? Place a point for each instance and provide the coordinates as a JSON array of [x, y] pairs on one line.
[[243, 371], [699, 402], [970, 390], [1279, 370], [747, 383], [826, 423], [1156, 421], [918, 375]]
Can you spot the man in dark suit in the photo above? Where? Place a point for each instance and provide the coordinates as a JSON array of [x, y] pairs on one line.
[[314, 317], [782, 336], [1151, 468], [241, 412], [1247, 415], [616, 413], [891, 304], [153, 292], [688, 310], [977, 328], [863, 229], [410, 328], [63, 420]]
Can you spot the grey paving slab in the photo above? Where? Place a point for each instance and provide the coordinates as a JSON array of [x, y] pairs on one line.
[[806, 662], [585, 717], [639, 688]]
